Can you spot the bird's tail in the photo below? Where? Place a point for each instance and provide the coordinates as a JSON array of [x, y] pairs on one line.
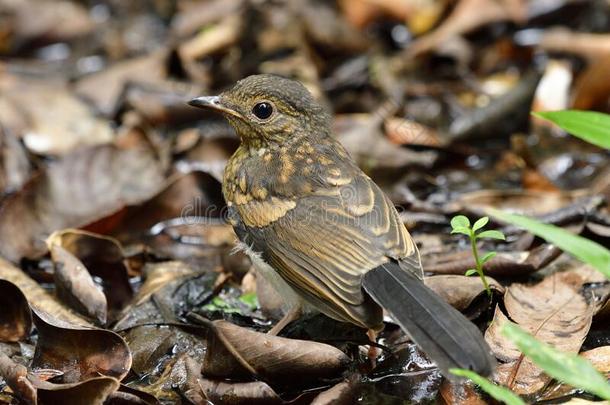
[[442, 332]]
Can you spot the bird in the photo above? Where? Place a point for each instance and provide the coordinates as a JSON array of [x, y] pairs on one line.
[[321, 231]]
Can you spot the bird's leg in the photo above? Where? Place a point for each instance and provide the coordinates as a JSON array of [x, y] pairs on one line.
[[292, 315], [373, 351]]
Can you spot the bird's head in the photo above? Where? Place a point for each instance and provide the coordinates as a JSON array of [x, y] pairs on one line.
[[269, 110]]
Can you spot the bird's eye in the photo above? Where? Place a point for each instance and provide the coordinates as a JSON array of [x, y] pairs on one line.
[[262, 110]]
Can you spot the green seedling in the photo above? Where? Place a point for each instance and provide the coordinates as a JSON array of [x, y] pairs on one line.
[[461, 224]]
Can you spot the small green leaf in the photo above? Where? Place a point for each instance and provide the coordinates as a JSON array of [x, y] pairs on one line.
[[566, 367], [487, 257], [495, 391], [461, 229], [460, 221], [481, 222], [250, 300], [590, 126], [583, 249], [491, 234], [470, 272]]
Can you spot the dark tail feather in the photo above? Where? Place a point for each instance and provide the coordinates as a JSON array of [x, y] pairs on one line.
[[442, 332]]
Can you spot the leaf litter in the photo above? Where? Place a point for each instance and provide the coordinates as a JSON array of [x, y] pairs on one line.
[[117, 282]]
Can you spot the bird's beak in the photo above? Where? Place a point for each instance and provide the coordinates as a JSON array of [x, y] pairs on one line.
[[213, 103]]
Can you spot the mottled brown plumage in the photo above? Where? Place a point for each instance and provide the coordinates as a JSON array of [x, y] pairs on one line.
[[302, 206]]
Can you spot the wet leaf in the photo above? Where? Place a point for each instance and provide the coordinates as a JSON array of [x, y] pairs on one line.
[[81, 353], [16, 316], [237, 351]]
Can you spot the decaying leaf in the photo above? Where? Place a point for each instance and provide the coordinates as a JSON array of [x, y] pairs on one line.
[[236, 351], [78, 189], [81, 353], [15, 316], [554, 312]]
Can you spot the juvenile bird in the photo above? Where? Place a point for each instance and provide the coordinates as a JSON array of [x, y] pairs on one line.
[[321, 231]]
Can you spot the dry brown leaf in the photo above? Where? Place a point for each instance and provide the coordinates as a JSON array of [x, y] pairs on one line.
[[14, 165], [38, 297], [239, 393], [587, 45], [341, 394], [592, 88], [15, 376], [554, 312], [78, 189], [54, 121], [103, 257], [407, 132], [524, 202], [93, 391], [81, 353], [461, 291], [467, 16], [104, 88], [74, 285], [235, 351], [15, 316], [214, 39]]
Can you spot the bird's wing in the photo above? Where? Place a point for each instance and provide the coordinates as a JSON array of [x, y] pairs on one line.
[[322, 244]]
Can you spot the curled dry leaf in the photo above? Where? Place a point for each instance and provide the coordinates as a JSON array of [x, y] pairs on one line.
[[526, 202], [74, 285], [502, 265], [554, 312], [36, 296], [15, 316], [81, 353], [235, 351], [78, 189], [15, 376], [93, 391], [103, 257], [131, 396], [239, 393], [461, 291]]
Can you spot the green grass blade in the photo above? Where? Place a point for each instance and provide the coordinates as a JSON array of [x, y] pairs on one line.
[[569, 368], [495, 391], [583, 249], [590, 126]]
